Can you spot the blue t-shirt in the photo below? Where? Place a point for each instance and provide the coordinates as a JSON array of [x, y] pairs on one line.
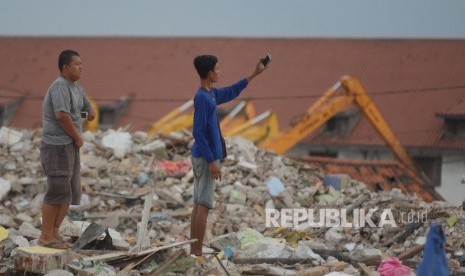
[[206, 129]]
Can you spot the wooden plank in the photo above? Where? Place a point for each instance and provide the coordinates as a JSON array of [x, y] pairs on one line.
[[142, 225], [166, 264], [259, 210], [134, 264], [365, 269], [107, 257], [165, 247], [115, 256], [411, 252], [287, 261]]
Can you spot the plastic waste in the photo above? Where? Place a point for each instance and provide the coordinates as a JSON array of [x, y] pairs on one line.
[[120, 142], [255, 244], [275, 186], [393, 267], [228, 253], [434, 261]]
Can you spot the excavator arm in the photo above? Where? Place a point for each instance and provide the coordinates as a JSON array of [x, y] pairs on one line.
[[362, 100], [346, 91], [258, 129], [323, 109]]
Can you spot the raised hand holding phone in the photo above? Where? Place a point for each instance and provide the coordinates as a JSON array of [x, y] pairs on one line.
[[266, 60], [261, 66]]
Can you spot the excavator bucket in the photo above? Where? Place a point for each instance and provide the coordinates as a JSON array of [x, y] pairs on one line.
[[176, 120], [261, 128], [240, 114]]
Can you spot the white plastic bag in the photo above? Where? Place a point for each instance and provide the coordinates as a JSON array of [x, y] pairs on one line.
[[120, 142]]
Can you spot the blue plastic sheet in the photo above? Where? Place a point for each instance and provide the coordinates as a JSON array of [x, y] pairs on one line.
[[434, 261]]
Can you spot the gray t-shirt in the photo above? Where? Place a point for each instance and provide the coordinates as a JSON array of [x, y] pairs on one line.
[[58, 99]]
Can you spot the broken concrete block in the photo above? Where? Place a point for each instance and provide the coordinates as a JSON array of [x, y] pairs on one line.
[[59, 272], [242, 147], [38, 259], [314, 271], [28, 230], [156, 147], [24, 217], [335, 235], [367, 255], [9, 137], [92, 161], [281, 271], [5, 187], [247, 167], [20, 241], [237, 197]]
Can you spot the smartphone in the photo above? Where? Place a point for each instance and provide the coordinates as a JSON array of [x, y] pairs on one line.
[[266, 60], [84, 114]]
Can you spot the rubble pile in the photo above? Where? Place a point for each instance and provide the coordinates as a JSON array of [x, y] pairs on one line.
[[324, 233]]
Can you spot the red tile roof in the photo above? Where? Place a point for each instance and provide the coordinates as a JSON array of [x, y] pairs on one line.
[[409, 80], [377, 175], [457, 111]]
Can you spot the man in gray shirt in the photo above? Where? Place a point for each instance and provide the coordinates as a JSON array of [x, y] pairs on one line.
[[61, 141]]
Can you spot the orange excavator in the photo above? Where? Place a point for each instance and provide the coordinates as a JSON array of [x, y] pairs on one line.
[[258, 129], [177, 119], [182, 118], [348, 90]]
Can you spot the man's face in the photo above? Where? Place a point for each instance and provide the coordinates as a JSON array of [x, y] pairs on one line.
[[214, 74], [73, 69]]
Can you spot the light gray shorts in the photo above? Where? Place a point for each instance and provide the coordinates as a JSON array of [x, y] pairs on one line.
[[62, 167], [204, 184]]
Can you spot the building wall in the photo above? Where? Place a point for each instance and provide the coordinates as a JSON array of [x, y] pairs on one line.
[[453, 178], [365, 155]]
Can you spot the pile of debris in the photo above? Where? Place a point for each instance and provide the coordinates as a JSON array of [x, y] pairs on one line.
[[273, 215]]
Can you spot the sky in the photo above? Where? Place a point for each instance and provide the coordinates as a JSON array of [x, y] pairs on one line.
[[441, 19]]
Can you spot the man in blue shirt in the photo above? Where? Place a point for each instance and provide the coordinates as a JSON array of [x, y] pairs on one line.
[[209, 147]]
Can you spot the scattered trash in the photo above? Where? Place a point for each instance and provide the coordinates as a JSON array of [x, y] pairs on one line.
[[393, 267], [115, 185], [275, 186], [120, 142]]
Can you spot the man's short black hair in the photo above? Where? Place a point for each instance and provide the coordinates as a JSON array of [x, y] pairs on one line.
[[65, 58], [204, 64]]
